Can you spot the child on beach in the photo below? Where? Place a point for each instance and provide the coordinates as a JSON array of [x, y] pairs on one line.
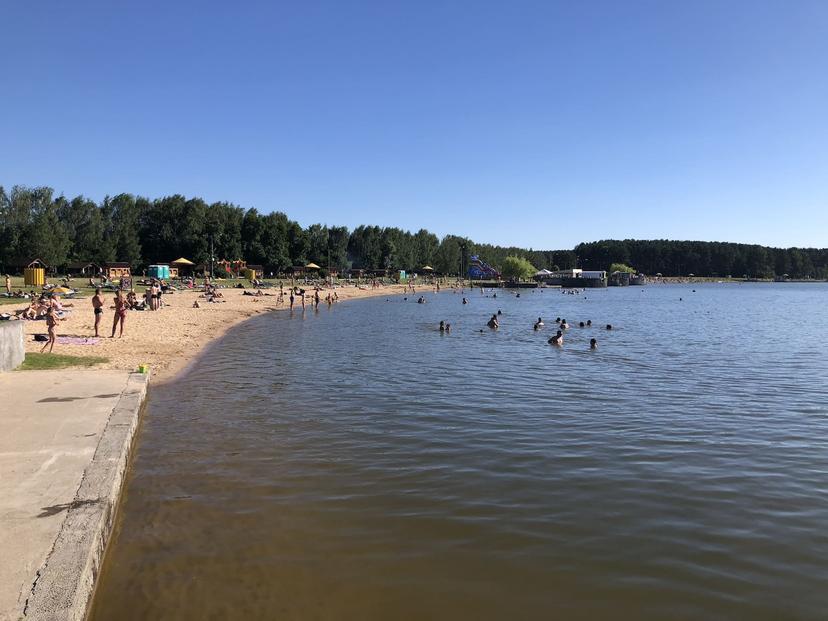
[[97, 306]]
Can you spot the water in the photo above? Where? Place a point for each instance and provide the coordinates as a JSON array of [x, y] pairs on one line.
[[356, 464]]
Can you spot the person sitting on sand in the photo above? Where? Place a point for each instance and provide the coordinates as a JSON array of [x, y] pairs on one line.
[[120, 313], [51, 322], [97, 306], [493, 323], [593, 343], [557, 339], [196, 304]]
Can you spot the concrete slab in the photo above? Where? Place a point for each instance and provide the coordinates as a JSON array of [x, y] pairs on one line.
[[65, 438]]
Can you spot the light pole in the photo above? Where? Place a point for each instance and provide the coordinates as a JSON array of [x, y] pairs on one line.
[[212, 256]]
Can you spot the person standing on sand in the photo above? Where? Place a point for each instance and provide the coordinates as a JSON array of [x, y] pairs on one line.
[[97, 305], [51, 322], [120, 314], [8, 284]]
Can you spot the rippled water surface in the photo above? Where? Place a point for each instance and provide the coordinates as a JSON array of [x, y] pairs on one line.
[[356, 464]]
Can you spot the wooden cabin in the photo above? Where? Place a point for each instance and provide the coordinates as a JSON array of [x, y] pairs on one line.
[[116, 270]]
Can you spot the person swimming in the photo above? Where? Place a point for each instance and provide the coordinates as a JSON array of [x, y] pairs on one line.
[[589, 322], [465, 301], [499, 312], [564, 325], [557, 339], [493, 323], [538, 324], [442, 326], [557, 320], [448, 328], [593, 344], [609, 326], [581, 325]]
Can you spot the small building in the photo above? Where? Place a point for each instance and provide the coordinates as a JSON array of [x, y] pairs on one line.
[[585, 279], [18, 264], [234, 268], [84, 268], [255, 271], [181, 267], [116, 270]]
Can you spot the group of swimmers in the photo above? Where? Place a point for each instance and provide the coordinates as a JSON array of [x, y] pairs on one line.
[[557, 339], [563, 325]]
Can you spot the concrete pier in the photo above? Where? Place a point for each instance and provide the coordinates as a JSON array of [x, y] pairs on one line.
[[12, 349], [65, 440]]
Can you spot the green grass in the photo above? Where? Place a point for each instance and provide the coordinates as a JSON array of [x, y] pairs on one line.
[[40, 362]]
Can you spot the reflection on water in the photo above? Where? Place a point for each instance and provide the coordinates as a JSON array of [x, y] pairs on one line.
[[357, 464]]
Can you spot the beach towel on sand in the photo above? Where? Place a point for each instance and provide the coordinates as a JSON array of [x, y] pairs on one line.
[[77, 340]]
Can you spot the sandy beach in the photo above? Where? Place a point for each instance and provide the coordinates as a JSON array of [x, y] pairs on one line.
[[167, 339]]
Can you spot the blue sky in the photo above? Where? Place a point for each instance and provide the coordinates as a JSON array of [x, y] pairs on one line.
[[539, 124]]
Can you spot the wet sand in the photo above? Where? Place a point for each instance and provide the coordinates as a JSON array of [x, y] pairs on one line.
[[168, 339]]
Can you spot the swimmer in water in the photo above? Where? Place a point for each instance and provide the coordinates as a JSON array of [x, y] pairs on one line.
[[557, 320], [609, 326], [465, 301], [493, 323], [499, 312], [593, 344], [538, 324], [564, 325], [581, 325], [448, 328], [557, 339], [442, 326], [589, 322]]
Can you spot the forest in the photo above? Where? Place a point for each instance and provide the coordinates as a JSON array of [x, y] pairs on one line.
[[34, 223]]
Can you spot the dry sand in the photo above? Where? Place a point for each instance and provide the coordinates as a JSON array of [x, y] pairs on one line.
[[167, 339]]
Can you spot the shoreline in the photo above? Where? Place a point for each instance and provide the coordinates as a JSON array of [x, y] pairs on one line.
[[169, 339]]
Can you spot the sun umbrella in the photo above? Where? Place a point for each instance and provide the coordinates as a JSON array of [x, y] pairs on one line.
[[428, 268], [312, 266], [62, 290], [183, 261]]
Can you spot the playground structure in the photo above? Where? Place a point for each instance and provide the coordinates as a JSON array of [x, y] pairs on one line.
[[478, 270]]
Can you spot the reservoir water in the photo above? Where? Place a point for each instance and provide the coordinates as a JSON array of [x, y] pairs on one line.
[[356, 464]]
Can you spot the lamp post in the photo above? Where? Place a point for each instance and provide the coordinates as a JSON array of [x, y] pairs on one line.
[[212, 257]]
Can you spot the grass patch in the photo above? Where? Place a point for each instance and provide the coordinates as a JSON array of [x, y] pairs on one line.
[[40, 362], [18, 301]]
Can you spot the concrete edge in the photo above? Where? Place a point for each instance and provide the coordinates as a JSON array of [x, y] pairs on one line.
[[65, 583]]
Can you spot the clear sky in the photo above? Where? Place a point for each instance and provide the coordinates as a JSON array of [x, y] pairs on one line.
[[539, 124]]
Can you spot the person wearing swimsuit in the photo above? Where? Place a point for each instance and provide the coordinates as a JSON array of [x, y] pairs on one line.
[[120, 314], [97, 305]]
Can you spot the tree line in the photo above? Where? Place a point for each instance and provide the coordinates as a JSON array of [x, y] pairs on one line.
[[140, 231]]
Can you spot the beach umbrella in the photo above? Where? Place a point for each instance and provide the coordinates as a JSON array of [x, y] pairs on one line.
[[312, 266], [428, 268], [62, 290], [183, 261]]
